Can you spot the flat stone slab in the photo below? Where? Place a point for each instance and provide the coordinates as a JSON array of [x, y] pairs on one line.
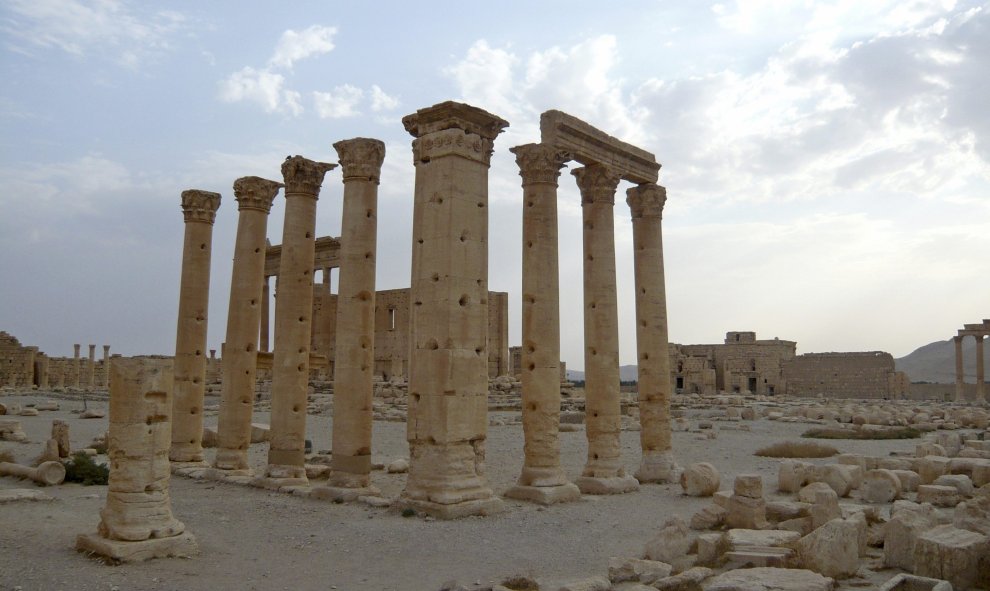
[[769, 579], [589, 145], [545, 495], [180, 546], [11, 495], [616, 485]]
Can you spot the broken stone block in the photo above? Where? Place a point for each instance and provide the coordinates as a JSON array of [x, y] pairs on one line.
[[708, 517], [842, 478], [792, 475], [710, 548], [689, 580], [940, 496], [825, 509], [784, 510], [880, 486], [721, 498], [959, 556], [929, 448], [905, 582], [93, 413], [10, 430], [909, 480], [770, 579], [746, 513], [740, 539], [591, 584], [931, 467], [832, 549], [807, 494], [636, 569], [748, 485], [961, 482], [907, 521], [700, 480], [47, 405], [800, 525], [260, 433], [60, 433], [672, 543], [974, 514]]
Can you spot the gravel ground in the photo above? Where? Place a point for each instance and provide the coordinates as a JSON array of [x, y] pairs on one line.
[[257, 540]]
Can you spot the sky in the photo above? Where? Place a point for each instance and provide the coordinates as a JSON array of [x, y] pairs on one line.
[[827, 164]]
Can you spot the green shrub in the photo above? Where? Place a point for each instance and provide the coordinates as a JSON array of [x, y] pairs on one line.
[[839, 433], [797, 449], [82, 469], [408, 512]]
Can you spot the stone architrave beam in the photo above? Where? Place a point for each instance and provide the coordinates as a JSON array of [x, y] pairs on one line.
[[589, 145]]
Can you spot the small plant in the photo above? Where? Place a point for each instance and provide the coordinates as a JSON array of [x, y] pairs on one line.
[[7, 456], [408, 512], [839, 433], [521, 583], [82, 469], [796, 449]]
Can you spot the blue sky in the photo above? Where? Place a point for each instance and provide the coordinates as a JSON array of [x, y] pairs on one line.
[[827, 163]]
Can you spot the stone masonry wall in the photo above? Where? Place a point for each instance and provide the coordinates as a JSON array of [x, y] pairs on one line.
[[841, 375]]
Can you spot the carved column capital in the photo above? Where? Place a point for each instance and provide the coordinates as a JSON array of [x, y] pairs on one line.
[[646, 200], [597, 183], [539, 163], [303, 175], [254, 192], [452, 142], [361, 158], [200, 206]]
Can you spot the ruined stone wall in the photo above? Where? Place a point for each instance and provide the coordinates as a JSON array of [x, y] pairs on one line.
[[741, 364], [840, 375], [392, 333], [323, 339], [16, 362]]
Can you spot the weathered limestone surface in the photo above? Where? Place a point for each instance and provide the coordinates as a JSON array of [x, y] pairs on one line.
[[769, 579], [832, 549], [542, 479], [293, 322], [700, 480], [959, 556], [589, 145], [47, 473], [448, 373], [254, 197], [137, 521], [646, 203], [199, 209], [354, 362], [603, 472]]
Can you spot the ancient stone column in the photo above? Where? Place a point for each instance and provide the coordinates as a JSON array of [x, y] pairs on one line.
[[646, 204], [91, 369], [960, 381], [106, 366], [43, 378], [199, 208], [354, 361], [75, 367], [266, 316], [542, 479], [448, 366], [254, 197], [979, 369], [603, 473], [294, 323], [137, 522]]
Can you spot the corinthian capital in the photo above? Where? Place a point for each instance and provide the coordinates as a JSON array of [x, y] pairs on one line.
[[646, 200], [303, 175], [597, 183], [200, 206], [539, 163], [361, 158], [254, 192]]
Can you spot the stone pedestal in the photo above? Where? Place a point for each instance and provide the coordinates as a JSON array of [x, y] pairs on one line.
[[448, 369], [603, 473], [199, 209], [646, 204], [254, 197], [293, 323], [137, 521], [542, 479], [354, 362]]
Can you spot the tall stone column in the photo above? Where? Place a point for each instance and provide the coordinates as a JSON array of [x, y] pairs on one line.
[[542, 479], [254, 197], [448, 367], [266, 298], [960, 380], [199, 209], [294, 323], [979, 369], [354, 361], [137, 523], [646, 204], [76, 368], [106, 367], [43, 378], [91, 369], [603, 473], [60, 381]]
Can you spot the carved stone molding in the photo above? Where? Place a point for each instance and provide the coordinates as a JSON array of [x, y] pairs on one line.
[[254, 192], [452, 142], [646, 200], [200, 206], [539, 163], [597, 183], [361, 158], [449, 115], [303, 175]]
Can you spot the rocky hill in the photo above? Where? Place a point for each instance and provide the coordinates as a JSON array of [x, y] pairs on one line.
[[936, 362]]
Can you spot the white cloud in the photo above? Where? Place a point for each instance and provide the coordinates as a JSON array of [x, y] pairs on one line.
[[381, 101], [296, 45], [263, 87], [341, 102]]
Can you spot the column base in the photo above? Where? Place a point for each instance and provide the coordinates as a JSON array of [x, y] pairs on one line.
[[484, 507], [183, 546], [340, 494], [545, 495], [234, 476], [187, 456], [658, 467], [614, 485], [280, 484], [232, 461]]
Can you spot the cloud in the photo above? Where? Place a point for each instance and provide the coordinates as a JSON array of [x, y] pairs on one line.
[[339, 103], [381, 101], [263, 87], [294, 46], [117, 29]]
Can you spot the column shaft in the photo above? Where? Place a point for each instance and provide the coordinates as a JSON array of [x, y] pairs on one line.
[[106, 367], [354, 355], [960, 381], [294, 320], [75, 367], [247, 300], [646, 203], [980, 378], [199, 209], [91, 369], [266, 298]]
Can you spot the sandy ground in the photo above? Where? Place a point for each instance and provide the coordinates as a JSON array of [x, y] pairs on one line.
[[258, 540]]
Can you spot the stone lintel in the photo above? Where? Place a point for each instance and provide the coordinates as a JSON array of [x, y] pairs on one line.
[[589, 145], [180, 546], [976, 332], [454, 115], [327, 255]]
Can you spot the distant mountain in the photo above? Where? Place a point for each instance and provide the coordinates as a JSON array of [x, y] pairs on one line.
[[627, 373], [936, 362]]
